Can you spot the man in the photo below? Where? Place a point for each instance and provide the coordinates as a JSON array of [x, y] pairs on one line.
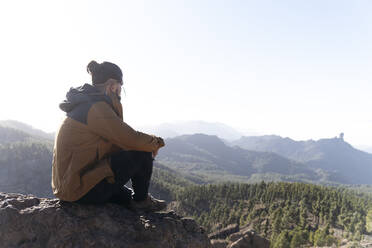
[[96, 153]]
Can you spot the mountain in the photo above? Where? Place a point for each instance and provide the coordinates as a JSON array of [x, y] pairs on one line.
[[25, 159], [273, 143], [334, 155], [25, 162], [27, 129], [170, 130], [210, 158], [10, 135]]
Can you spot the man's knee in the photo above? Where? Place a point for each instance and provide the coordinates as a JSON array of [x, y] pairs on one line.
[[144, 157], [143, 154]]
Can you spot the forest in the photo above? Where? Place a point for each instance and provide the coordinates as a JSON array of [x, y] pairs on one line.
[[288, 214]]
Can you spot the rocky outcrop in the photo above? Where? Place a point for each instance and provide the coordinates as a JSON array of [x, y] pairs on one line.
[[219, 243], [27, 221], [237, 237], [249, 239], [225, 232]]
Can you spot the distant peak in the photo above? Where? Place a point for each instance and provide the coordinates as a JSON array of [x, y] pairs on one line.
[[26, 128]]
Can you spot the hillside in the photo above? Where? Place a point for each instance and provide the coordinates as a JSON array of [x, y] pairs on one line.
[[335, 156], [25, 163], [27, 129], [209, 157], [166, 183], [11, 135], [288, 214]]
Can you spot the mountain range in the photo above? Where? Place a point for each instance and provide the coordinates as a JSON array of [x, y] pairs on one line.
[[209, 157], [343, 162], [202, 158], [268, 158], [173, 129]]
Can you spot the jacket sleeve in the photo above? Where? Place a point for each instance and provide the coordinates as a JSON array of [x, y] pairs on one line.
[[103, 121]]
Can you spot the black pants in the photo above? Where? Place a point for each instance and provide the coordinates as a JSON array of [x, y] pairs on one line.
[[126, 165]]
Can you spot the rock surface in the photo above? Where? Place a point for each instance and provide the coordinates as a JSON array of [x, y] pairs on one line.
[[237, 237], [225, 232], [250, 240], [27, 221], [247, 238], [219, 243]]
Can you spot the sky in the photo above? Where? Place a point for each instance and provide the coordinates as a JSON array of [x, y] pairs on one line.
[[299, 69]]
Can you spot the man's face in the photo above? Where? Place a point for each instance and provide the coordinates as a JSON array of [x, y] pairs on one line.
[[117, 88], [113, 86]]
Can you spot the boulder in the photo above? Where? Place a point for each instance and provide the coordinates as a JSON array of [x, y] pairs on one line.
[[28, 221], [243, 231], [219, 243], [250, 240], [225, 232], [235, 236]]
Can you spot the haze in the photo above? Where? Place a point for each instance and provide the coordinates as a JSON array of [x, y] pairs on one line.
[[300, 69]]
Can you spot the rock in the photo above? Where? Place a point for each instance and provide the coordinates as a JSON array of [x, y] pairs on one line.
[[235, 236], [219, 243], [240, 243], [216, 227], [27, 221], [250, 240], [225, 232], [243, 237], [243, 231]]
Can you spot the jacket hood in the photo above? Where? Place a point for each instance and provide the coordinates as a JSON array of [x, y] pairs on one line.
[[82, 94]]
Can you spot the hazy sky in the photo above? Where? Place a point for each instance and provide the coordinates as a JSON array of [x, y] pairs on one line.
[[301, 69]]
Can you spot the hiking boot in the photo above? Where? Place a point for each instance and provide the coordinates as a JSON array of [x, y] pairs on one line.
[[150, 204]]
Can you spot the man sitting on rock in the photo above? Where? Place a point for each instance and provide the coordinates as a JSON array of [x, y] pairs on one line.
[[96, 153]]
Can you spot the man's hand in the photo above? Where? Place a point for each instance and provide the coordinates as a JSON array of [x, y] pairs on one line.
[[160, 144]]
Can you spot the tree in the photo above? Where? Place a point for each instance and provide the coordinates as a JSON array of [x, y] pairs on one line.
[[282, 241], [369, 221], [299, 238]]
